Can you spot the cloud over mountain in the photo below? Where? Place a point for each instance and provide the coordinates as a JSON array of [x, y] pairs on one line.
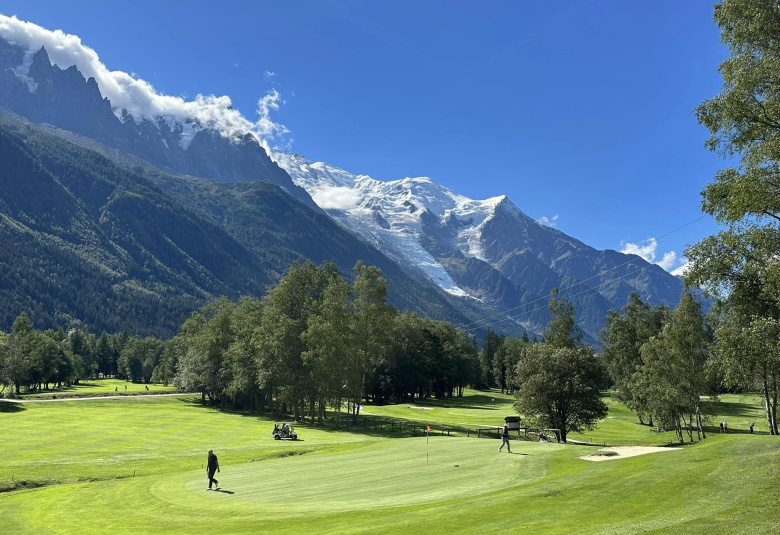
[[138, 96], [647, 250]]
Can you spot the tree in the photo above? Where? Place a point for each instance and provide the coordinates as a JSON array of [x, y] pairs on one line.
[[558, 381], [512, 350], [372, 320], [740, 264], [562, 331], [487, 353], [748, 353], [18, 353], [621, 341], [139, 359], [105, 355], [331, 345], [674, 377], [558, 388], [240, 356], [278, 342]]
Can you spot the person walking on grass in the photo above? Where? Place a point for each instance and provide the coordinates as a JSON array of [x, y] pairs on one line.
[[505, 439], [751, 427], [211, 467]]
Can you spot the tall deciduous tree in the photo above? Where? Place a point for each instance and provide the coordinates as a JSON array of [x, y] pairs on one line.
[[371, 329], [330, 340], [558, 381], [740, 264], [562, 331], [673, 377], [558, 388], [622, 338]]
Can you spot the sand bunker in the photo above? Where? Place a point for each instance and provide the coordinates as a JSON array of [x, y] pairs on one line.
[[621, 452], [422, 408]]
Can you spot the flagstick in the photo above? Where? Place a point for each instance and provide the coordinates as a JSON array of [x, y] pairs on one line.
[[427, 434]]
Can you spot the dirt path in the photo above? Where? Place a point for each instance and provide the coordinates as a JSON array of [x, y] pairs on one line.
[[621, 452], [90, 398]]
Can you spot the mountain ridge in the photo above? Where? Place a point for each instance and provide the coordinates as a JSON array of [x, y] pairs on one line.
[[488, 250]]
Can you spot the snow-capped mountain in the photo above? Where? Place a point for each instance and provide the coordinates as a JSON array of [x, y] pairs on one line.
[[391, 215], [487, 250], [486, 254], [35, 87]]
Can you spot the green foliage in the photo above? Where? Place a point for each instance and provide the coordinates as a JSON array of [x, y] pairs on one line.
[[740, 263], [622, 339], [558, 388], [558, 381], [487, 354], [562, 330]]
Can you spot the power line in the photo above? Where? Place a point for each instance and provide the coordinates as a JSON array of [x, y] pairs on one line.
[[505, 314], [507, 317]]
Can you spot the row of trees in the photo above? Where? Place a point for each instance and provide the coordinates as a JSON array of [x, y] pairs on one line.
[[316, 341], [659, 362], [38, 360], [740, 264]]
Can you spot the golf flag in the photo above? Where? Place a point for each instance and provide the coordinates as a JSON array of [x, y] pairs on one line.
[[429, 428]]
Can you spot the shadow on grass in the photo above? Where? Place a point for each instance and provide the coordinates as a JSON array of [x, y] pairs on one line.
[[372, 426], [721, 409], [476, 402], [223, 491], [7, 406]]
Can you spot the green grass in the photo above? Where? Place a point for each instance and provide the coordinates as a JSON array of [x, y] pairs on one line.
[[358, 480], [100, 387]]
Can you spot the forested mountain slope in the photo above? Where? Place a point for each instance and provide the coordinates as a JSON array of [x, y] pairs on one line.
[[84, 238]]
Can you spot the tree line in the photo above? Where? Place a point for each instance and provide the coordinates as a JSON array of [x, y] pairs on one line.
[[314, 342], [39, 360]]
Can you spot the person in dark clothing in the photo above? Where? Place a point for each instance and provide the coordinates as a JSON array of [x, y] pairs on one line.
[[211, 468], [505, 439], [751, 427]]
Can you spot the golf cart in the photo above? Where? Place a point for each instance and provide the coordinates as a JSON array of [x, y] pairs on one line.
[[285, 431]]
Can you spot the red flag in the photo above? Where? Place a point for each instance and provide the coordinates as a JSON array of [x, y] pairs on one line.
[[429, 428]]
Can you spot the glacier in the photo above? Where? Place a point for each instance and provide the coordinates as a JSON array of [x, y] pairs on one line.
[[389, 214]]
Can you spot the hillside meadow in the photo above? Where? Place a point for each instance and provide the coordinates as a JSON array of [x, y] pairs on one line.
[[136, 465]]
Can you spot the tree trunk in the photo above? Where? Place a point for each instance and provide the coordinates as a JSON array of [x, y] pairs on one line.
[[699, 425], [770, 417], [774, 401]]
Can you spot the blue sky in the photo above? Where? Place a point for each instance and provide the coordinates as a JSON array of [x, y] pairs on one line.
[[579, 111]]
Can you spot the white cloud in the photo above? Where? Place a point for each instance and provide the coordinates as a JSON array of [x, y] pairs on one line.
[[335, 197], [138, 96], [647, 250], [269, 76], [681, 270], [548, 221], [668, 260]]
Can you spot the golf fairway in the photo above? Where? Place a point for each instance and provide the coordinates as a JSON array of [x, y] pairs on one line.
[[84, 455]]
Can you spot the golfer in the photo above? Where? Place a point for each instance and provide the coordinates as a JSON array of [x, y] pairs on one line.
[[213, 466], [505, 439]]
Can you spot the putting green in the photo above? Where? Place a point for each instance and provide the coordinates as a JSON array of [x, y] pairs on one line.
[[397, 472]]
